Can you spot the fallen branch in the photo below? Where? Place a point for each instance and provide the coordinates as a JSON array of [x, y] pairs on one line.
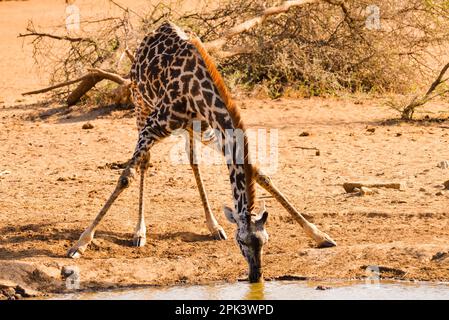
[[108, 75], [350, 186], [56, 86], [120, 94], [88, 81], [217, 44]]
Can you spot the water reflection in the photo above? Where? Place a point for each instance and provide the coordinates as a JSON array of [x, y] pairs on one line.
[[256, 291]]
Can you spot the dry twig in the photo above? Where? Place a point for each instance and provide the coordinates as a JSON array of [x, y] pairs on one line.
[[408, 111]]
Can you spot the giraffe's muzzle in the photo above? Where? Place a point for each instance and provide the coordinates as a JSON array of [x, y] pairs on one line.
[[255, 274]]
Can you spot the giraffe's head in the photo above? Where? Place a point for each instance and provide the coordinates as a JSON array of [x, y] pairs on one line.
[[251, 239]]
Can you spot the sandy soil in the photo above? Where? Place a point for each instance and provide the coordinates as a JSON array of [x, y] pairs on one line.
[[54, 178]]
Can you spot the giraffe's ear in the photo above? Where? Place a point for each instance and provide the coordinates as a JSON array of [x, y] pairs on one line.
[[229, 213], [262, 215], [262, 219]]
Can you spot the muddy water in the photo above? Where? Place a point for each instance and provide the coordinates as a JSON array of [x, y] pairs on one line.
[[289, 290]]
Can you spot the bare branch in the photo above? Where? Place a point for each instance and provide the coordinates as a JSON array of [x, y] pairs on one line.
[[438, 80], [129, 55], [93, 73], [408, 111], [245, 26], [85, 85], [125, 9], [52, 36], [59, 85], [107, 75]]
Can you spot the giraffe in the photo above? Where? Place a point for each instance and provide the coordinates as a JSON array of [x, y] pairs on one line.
[[174, 82]]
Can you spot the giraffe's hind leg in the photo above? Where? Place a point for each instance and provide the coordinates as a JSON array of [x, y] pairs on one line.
[[215, 229], [322, 239]]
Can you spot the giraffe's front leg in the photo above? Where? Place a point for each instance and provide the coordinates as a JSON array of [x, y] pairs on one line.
[[87, 236], [214, 228], [81, 245], [152, 132], [322, 239], [140, 233]]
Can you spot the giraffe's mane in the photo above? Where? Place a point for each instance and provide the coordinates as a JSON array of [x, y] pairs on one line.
[[234, 112]]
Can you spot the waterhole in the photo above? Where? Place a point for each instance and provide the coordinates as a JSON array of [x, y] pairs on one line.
[[285, 290]]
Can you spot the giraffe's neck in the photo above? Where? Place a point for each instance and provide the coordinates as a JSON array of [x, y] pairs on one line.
[[226, 118]]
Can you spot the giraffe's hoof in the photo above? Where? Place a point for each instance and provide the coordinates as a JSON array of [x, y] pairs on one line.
[[327, 243], [219, 234], [139, 241], [74, 253]]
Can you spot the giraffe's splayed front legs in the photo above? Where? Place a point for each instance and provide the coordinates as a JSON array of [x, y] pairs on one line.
[[87, 236]]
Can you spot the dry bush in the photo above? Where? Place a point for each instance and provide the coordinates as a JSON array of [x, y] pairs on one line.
[[66, 56], [319, 48], [325, 48]]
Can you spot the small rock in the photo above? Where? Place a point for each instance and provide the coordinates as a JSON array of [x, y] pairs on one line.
[[372, 130], [322, 288], [26, 292], [446, 185], [67, 271], [439, 193], [290, 277], [88, 126], [4, 172], [364, 191], [398, 201], [304, 134], [443, 164], [9, 292], [439, 256], [398, 134], [422, 189], [317, 153]]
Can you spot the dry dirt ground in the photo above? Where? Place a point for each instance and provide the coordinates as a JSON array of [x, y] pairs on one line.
[[58, 179], [54, 178]]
